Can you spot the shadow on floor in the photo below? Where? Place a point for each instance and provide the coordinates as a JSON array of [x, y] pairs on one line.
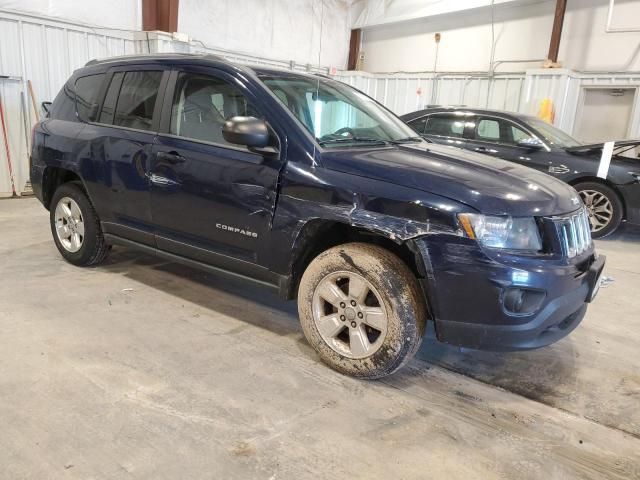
[[223, 294], [533, 374], [540, 375]]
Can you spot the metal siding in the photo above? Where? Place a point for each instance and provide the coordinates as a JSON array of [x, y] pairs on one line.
[[46, 52]]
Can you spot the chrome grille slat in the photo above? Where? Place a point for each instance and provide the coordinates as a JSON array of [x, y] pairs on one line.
[[574, 233]]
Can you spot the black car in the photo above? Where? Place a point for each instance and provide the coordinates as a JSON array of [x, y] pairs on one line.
[[608, 183], [310, 187]]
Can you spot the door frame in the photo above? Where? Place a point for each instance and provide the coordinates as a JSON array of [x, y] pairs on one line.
[[613, 86]]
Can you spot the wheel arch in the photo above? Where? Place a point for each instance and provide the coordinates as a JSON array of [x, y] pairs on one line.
[[53, 177], [575, 181], [318, 235]]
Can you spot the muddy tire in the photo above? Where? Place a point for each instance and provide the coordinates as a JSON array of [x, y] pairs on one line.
[[604, 207], [75, 227], [362, 310]]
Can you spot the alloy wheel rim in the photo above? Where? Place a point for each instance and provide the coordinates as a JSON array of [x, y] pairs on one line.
[[349, 315], [69, 224], [599, 209]]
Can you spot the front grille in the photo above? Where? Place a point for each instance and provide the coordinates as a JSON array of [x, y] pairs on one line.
[[574, 232]]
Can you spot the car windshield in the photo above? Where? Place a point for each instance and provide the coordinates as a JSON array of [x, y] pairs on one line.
[[338, 115], [552, 134]]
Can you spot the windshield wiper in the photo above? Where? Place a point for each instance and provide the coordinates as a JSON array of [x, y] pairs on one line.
[[375, 141], [400, 141]]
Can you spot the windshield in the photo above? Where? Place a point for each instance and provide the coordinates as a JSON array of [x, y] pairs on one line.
[[552, 134], [336, 114]]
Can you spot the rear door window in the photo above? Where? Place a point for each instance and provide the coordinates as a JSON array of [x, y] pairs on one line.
[[110, 99], [445, 125], [488, 129], [137, 99], [87, 96]]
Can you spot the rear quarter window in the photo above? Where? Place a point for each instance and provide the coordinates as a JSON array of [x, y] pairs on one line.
[[87, 96], [64, 105]]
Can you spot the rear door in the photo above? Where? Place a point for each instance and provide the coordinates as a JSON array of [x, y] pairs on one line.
[[211, 201], [499, 137], [120, 140]]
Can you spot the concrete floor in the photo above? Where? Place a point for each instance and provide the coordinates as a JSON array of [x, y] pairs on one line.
[[146, 369]]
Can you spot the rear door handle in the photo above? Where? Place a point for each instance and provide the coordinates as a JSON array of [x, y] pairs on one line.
[[161, 181], [485, 150], [173, 158]]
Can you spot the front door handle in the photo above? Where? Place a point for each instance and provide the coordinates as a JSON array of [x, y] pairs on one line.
[[173, 158]]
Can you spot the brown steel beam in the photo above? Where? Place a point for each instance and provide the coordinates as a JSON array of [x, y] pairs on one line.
[[556, 33], [354, 49], [160, 15], [149, 15]]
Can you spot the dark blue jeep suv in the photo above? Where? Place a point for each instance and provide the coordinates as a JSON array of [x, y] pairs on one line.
[[307, 185]]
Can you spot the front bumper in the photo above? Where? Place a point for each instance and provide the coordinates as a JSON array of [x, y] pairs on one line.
[[468, 288]]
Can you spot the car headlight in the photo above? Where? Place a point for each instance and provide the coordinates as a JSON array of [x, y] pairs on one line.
[[513, 233]]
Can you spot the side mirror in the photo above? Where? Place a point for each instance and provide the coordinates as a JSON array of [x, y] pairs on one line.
[[531, 143], [249, 131], [46, 106]]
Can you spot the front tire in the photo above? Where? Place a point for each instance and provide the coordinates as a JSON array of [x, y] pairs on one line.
[[75, 227], [362, 310], [604, 207]]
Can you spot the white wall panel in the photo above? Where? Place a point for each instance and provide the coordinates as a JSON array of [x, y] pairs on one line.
[[406, 93], [45, 52], [124, 14], [305, 31], [521, 29]]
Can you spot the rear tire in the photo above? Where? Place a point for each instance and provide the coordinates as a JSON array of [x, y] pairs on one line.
[[362, 310], [75, 227], [604, 207]]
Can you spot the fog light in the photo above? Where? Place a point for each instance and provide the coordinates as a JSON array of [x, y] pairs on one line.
[[522, 301]]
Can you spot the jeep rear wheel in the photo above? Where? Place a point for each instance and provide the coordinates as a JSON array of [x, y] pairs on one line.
[[75, 227], [362, 310]]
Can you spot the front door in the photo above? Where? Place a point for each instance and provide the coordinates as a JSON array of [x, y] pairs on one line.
[[499, 138], [211, 201]]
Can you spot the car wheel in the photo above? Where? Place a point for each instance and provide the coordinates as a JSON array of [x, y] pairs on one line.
[[362, 310], [603, 206], [75, 226]]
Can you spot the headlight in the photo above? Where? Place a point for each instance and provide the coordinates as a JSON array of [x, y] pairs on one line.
[[513, 233]]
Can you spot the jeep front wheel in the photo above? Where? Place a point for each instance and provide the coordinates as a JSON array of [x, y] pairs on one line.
[[362, 310]]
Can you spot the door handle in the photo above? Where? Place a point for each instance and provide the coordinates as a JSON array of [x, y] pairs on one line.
[[485, 150], [161, 181], [173, 158]]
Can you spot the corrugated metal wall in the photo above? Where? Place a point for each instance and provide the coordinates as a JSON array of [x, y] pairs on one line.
[[45, 52], [514, 92], [406, 93], [566, 89]]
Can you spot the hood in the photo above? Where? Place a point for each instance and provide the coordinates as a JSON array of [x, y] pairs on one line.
[[489, 185], [619, 147]]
